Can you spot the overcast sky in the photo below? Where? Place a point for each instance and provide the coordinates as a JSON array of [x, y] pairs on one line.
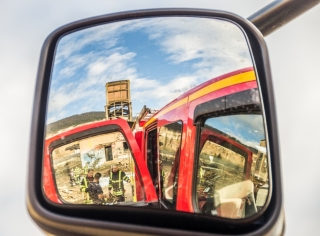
[[295, 58]]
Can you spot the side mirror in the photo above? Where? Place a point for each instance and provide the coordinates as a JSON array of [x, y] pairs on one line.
[[96, 167]]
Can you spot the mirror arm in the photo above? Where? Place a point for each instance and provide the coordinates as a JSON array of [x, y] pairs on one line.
[[278, 13]]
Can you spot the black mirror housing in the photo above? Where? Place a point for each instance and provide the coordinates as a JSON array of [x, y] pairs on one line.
[[93, 220]]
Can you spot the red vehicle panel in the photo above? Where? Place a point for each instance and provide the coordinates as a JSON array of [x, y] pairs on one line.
[[182, 110], [49, 185]]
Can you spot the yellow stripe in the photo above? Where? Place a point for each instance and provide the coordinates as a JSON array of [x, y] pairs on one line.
[[149, 121], [236, 79], [173, 106]]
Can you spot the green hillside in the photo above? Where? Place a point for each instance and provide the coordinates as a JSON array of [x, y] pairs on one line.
[[74, 120]]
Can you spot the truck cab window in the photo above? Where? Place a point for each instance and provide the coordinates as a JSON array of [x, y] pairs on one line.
[[87, 169], [232, 180], [152, 153], [169, 155]]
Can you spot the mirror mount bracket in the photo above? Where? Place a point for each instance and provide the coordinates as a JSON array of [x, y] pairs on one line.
[[279, 13]]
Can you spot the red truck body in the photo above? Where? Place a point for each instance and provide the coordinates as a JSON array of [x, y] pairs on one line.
[[182, 110], [179, 193]]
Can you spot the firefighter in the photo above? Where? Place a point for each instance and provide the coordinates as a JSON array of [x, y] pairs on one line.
[[77, 173], [95, 191], [116, 182], [85, 183]]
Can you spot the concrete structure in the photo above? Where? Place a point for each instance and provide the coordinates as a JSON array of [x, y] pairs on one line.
[[118, 100]]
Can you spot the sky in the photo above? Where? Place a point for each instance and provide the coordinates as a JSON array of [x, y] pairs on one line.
[[248, 128], [294, 59], [159, 56]]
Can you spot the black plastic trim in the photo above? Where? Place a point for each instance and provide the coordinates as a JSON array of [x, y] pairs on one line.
[[241, 102], [84, 134]]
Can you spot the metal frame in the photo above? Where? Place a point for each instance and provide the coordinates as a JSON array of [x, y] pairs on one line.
[[93, 220], [278, 13]]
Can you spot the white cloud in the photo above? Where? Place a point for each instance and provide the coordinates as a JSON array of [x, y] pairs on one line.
[[72, 65], [112, 65], [113, 61], [89, 89], [76, 41], [203, 40]]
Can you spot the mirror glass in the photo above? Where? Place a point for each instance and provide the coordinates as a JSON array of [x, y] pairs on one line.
[[131, 70]]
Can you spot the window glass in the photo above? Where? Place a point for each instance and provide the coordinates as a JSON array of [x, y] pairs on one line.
[[169, 154], [152, 156], [232, 172], [96, 170], [221, 164]]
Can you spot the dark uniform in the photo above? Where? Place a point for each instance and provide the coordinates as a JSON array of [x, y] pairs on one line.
[[85, 183], [77, 173], [94, 189], [116, 183]]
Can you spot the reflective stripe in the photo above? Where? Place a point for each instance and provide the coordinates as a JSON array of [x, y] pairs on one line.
[[115, 181], [117, 193], [119, 190]]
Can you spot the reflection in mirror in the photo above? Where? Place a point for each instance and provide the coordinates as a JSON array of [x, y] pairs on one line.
[[96, 170], [153, 73], [232, 177], [113, 70]]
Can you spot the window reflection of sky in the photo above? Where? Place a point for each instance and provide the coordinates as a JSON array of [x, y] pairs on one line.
[[160, 56], [248, 129]]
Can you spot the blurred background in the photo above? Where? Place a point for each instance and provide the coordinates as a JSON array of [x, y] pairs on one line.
[[294, 55]]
